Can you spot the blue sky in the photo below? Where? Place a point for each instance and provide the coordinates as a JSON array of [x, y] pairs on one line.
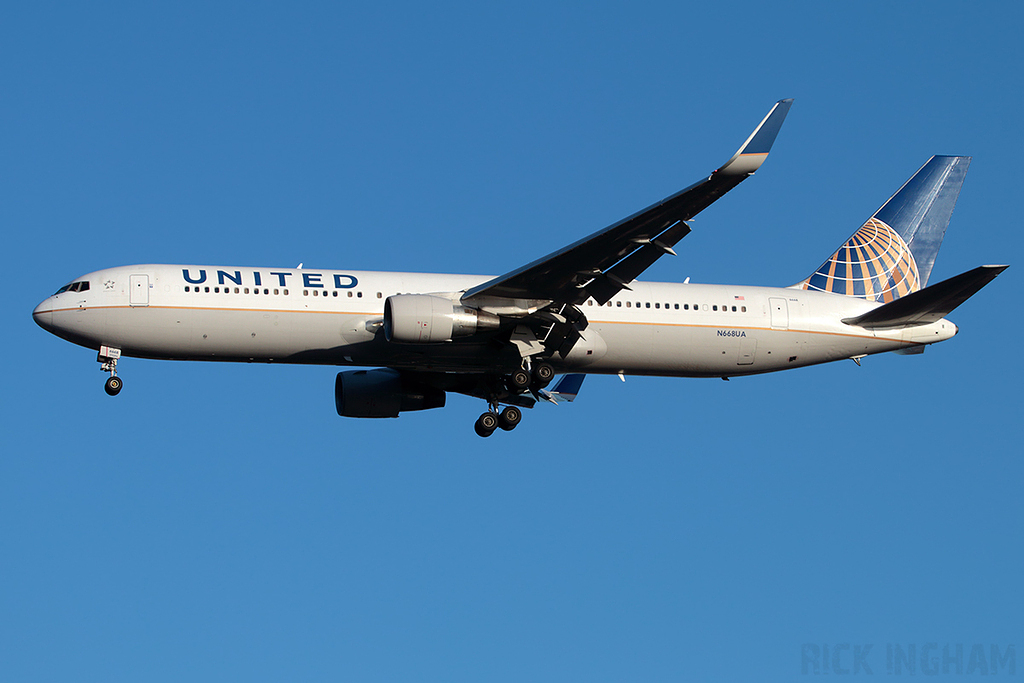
[[221, 522]]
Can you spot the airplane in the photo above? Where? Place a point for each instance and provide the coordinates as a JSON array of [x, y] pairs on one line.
[[577, 311]]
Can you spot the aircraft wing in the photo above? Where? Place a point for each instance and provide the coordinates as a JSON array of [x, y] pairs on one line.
[[604, 263]]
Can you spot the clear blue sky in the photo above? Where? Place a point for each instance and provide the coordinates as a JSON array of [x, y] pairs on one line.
[[221, 522]]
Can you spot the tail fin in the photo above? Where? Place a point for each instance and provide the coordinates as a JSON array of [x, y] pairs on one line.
[[893, 253]]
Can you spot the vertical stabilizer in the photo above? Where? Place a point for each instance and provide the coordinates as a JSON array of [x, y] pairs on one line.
[[893, 253]]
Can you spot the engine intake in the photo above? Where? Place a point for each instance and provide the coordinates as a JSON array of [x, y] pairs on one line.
[[382, 393], [423, 319]]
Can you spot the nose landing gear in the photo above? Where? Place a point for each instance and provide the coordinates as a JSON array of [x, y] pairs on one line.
[[113, 386], [107, 358]]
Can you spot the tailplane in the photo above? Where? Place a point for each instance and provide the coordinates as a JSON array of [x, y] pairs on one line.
[[893, 253], [930, 304]]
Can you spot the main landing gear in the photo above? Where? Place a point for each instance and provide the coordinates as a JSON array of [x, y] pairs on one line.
[[507, 420], [107, 358], [520, 381]]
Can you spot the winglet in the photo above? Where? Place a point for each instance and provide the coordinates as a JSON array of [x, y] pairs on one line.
[[752, 153]]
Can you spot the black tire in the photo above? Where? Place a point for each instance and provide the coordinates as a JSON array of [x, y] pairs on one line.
[[543, 373], [486, 424], [519, 380], [509, 418], [113, 386]]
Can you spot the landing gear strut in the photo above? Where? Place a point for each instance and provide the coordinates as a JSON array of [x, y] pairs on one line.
[[107, 358]]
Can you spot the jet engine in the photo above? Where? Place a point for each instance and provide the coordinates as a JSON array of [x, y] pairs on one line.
[[422, 319], [382, 393]]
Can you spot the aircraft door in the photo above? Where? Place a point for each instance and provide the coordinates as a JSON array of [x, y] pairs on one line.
[[138, 290], [780, 313]]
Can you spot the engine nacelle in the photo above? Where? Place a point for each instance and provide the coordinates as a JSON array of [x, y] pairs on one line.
[[422, 319], [382, 393]]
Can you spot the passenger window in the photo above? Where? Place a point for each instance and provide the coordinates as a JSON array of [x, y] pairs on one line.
[[206, 289], [677, 307], [236, 290], [359, 295], [335, 293], [686, 307], [350, 295], [216, 290], [648, 304], [714, 308], [733, 309], [286, 292], [246, 290], [618, 304], [657, 305], [628, 304], [743, 309], [379, 295], [186, 289], [305, 292], [276, 292]]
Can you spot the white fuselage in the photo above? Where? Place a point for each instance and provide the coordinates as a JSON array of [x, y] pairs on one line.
[[333, 318]]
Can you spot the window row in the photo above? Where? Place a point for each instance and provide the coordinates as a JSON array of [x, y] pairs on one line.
[[684, 307], [323, 292], [246, 290], [238, 290]]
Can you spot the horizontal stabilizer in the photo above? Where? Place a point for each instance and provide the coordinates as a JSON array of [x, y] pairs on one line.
[[930, 304], [567, 388]]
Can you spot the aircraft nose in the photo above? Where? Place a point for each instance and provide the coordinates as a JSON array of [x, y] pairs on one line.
[[43, 315]]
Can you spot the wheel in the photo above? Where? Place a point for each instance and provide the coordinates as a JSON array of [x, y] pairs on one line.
[[113, 386], [486, 424], [543, 373], [509, 418], [518, 380]]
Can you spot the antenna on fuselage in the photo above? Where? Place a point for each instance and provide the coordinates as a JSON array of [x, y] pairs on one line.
[[299, 267]]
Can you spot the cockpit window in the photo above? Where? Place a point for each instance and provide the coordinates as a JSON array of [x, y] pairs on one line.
[[82, 286]]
